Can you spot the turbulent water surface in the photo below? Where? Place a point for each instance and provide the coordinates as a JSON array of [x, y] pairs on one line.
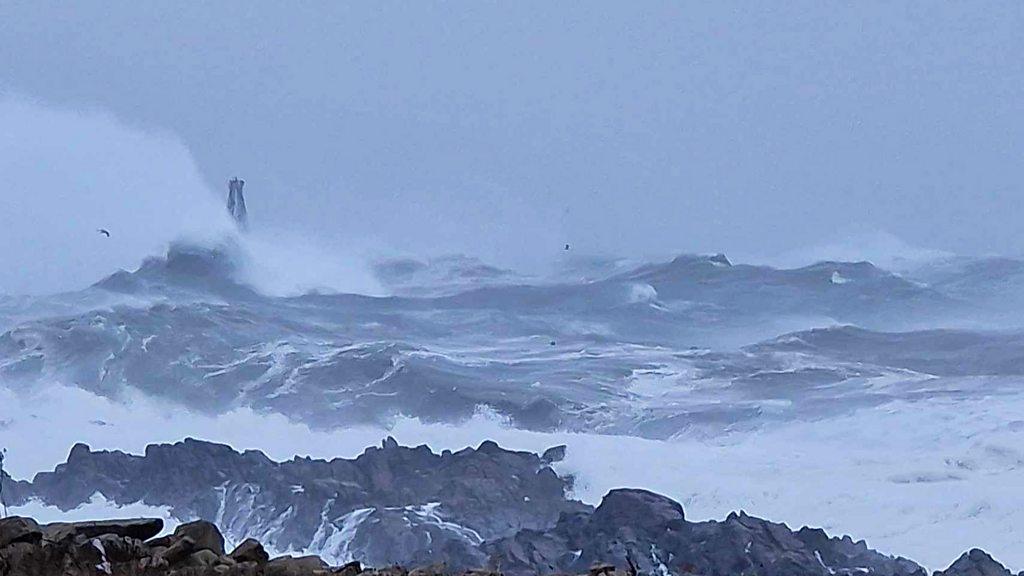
[[837, 394]]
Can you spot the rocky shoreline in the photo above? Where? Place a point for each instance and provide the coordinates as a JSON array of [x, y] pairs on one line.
[[131, 547], [476, 510]]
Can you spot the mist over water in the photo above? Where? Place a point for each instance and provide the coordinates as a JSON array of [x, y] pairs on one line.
[[762, 259], [69, 173], [288, 263]]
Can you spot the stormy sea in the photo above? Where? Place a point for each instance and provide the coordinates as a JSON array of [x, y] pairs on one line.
[[878, 402]]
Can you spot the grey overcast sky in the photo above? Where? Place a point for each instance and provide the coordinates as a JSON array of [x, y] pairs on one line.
[[507, 129]]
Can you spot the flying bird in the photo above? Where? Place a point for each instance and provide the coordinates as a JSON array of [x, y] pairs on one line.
[[566, 246], [104, 231]]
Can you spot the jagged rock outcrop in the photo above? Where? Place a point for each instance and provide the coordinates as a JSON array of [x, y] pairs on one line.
[[642, 531], [975, 562], [393, 505], [654, 539]]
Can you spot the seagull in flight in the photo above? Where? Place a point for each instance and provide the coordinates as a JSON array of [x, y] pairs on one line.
[[104, 231]]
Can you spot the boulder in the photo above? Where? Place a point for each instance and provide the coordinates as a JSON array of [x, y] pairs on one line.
[[138, 528], [204, 534], [638, 509], [975, 563], [119, 548], [180, 550], [351, 569], [252, 551], [294, 566], [203, 558], [157, 550], [24, 558], [153, 563], [161, 542], [554, 454], [18, 529]]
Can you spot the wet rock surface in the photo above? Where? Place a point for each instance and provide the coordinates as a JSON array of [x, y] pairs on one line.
[[662, 543], [392, 504], [975, 562], [645, 532], [485, 509]]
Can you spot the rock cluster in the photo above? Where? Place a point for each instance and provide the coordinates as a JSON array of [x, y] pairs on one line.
[[648, 533], [115, 547], [485, 508], [395, 504], [976, 563], [628, 521], [129, 548]]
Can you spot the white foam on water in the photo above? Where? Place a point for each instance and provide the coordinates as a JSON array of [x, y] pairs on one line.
[[97, 508], [927, 479]]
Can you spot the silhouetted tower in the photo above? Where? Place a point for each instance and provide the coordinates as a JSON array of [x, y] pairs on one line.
[[236, 203], [3, 503]]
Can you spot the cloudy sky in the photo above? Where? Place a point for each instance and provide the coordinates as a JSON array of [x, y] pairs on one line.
[[508, 129]]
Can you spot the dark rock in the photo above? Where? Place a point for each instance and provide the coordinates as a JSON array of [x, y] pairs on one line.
[[204, 534], [294, 566], [635, 531], [19, 529], [640, 509], [24, 558], [138, 528], [116, 548], [163, 541], [432, 570], [488, 491], [582, 542], [975, 563], [252, 551], [415, 536], [387, 571], [180, 550], [202, 558], [554, 454], [506, 510], [156, 559], [351, 569]]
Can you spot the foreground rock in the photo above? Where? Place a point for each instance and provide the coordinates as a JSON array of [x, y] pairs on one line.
[[89, 548], [394, 504], [140, 529], [19, 530], [633, 532], [487, 508]]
